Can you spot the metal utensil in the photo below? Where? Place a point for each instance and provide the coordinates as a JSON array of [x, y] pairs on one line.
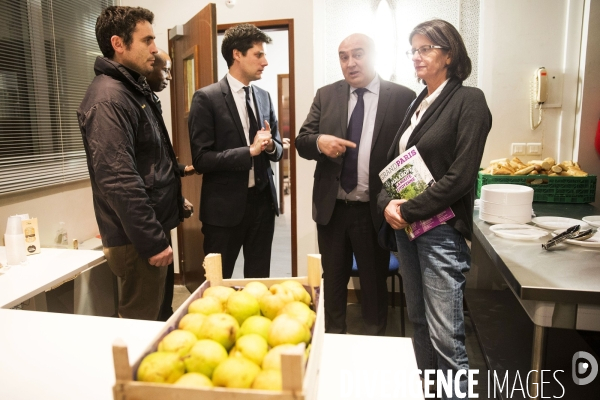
[[561, 237], [584, 235]]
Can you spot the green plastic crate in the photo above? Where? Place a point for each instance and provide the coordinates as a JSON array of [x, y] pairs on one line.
[[554, 189]]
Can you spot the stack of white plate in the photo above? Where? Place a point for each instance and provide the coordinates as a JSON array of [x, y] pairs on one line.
[[501, 204]]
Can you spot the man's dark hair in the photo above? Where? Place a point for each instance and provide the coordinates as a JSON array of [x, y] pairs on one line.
[[120, 21], [241, 37], [442, 33]]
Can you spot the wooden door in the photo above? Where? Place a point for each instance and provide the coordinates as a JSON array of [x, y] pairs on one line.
[[283, 119], [194, 58]]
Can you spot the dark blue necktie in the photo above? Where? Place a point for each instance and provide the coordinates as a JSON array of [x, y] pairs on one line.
[[349, 178], [260, 172]]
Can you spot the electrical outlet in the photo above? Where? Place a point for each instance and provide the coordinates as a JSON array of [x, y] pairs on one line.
[[517, 149], [534, 149]]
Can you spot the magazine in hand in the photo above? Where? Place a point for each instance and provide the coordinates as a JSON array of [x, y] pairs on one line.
[[407, 177]]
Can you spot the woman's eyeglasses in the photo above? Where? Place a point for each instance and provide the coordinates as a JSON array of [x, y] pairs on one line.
[[423, 50]]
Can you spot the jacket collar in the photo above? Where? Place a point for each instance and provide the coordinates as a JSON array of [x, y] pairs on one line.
[[230, 101], [426, 120], [106, 66]]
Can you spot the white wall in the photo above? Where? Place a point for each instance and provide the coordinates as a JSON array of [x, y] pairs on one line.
[[69, 203], [516, 38], [169, 14]]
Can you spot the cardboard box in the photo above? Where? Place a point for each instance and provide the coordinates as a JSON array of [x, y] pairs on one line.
[[299, 379]]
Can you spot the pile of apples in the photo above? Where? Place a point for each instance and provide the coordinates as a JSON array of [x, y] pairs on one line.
[[232, 338]]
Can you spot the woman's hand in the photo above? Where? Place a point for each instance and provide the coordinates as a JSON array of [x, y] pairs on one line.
[[392, 215]]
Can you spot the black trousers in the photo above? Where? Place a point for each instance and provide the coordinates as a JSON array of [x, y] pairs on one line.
[[350, 230], [254, 234], [166, 308]]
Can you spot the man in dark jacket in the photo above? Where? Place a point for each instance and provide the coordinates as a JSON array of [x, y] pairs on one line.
[[132, 165], [158, 80]]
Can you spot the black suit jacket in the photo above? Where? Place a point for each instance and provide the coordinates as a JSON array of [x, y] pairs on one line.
[[220, 151], [329, 115]]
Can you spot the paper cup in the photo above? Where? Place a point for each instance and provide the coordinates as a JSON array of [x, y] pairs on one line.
[[13, 225]]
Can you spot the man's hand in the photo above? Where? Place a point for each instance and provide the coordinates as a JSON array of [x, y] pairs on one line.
[[333, 146], [188, 209], [392, 215], [261, 141], [162, 259], [189, 170], [271, 145]]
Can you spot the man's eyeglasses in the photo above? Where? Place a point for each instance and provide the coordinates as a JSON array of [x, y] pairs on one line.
[[423, 50]]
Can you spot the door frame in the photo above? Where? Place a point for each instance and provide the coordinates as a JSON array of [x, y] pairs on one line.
[[284, 24]]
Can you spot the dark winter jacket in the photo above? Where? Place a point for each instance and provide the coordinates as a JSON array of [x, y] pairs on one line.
[[133, 170]]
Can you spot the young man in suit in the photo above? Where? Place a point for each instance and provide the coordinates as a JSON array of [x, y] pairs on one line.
[[234, 137], [348, 131]]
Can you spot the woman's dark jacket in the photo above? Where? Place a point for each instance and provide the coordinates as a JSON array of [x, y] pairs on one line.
[[450, 137]]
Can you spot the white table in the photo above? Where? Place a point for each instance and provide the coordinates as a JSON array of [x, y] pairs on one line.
[[54, 356], [42, 272], [368, 367]]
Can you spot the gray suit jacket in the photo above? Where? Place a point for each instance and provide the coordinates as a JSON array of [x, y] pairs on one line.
[[220, 151], [329, 115]]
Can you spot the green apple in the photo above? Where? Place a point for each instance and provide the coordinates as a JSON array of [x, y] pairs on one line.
[[301, 312], [235, 372], [192, 323], [255, 288], [274, 300], [220, 327], [194, 379], [178, 341], [205, 356], [242, 305], [253, 347], [268, 380], [206, 305], [220, 292], [160, 367], [256, 324], [300, 293], [272, 359], [286, 329]]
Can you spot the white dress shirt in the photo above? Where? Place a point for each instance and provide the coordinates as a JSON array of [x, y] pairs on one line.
[[416, 117], [239, 95], [371, 98]]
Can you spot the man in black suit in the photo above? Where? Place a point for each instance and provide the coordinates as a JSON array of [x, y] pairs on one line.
[[348, 131], [234, 137]]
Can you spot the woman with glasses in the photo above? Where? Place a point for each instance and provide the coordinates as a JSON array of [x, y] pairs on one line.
[[448, 123]]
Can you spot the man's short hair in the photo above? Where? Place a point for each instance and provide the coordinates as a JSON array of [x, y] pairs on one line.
[[241, 37], [120, 21]]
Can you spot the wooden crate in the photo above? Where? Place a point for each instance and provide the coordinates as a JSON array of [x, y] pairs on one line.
[[299, 380]]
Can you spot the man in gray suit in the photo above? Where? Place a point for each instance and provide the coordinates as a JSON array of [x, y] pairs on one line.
[[234, 137], [348, 131]]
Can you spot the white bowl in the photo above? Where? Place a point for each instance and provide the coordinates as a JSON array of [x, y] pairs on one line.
[[507, 194], [504, 219], [505, 209]]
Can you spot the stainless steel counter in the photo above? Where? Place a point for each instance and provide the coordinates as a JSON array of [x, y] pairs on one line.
[[557, 288], [566, 274]]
